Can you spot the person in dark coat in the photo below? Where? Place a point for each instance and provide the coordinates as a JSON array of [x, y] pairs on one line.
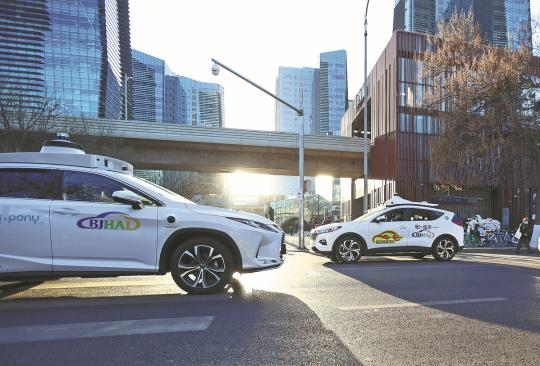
[[270, 213], [526, 231]]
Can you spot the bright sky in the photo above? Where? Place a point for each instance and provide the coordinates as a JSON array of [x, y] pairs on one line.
[[255, 37]]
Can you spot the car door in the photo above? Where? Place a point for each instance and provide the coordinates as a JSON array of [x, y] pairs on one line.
[[25, 199], [423, 227], [92, 233], [389, 230]]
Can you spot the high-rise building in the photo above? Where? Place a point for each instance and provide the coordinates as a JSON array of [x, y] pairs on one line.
[[296, 86], [77, 52], [333, 91], [192, 102], [88, 55], [148, 87], [504, 23], [22, 40]]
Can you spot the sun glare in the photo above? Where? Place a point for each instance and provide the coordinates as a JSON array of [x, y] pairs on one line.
[[249, 184]]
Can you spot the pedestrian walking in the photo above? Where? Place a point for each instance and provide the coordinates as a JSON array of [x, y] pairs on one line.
[[525, 231]]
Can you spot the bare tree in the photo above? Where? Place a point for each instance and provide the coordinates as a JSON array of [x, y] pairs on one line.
[[486, 101], [25, 119], [192, 185]]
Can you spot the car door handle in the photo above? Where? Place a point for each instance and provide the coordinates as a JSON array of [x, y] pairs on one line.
[[66, 211], [403, 227]]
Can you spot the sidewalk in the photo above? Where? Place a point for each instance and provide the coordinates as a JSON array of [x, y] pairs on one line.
[[292, 240]]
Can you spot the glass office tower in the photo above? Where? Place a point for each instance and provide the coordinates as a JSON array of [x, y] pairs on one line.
[[295, 86], [148, 87], [504, 23], [88, 55], [191, 102], [22, 32], [333, 93]]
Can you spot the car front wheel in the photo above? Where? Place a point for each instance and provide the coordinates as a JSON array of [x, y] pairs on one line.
[[347, 250], [444, 249], [202, 266]]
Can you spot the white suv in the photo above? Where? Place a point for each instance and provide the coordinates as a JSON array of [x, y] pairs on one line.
[[67, 213], [399, 227]]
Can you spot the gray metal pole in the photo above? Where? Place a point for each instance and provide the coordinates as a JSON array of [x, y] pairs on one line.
[[301, 196], [300, 113], [365, 115]]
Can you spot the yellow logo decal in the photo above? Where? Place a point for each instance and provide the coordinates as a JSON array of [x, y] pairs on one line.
[[387, 237]]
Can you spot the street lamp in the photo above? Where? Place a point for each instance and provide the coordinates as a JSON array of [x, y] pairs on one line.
[[300, 113], [365, 114], [126, 78]]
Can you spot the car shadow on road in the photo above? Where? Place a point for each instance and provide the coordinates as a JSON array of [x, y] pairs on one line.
[[11, 288], [250, 327], [512, 294]]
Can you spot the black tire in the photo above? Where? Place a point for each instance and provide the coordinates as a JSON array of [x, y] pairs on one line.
[[202, 266], [348, 249], [444, 249], [419, 256]]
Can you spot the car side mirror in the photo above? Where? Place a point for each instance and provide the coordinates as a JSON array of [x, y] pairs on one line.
[[128, 198], [380, 219]]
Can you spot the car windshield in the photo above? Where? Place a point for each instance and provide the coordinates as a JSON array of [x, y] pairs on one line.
[[157, 188], [370, 213]]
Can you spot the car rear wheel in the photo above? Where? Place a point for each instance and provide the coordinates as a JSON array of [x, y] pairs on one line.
[[347, 250], [444, 249], [202, 266]]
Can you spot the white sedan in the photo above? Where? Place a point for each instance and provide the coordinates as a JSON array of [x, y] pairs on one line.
[[399, 227]]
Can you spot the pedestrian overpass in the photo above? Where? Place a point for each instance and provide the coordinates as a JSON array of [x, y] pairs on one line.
[[151, 145]]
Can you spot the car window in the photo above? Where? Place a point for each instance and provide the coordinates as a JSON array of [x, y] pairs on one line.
[[424, 215], [393, 216], [81, 186], [28, 183]]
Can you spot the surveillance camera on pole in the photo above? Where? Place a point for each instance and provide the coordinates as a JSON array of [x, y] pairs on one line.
[[215, 69]]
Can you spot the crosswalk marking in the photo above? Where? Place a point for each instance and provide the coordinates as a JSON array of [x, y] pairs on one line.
[[103, 329], [414, 304]]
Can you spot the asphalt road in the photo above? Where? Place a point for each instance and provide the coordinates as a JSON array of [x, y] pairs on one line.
[[478, 309]]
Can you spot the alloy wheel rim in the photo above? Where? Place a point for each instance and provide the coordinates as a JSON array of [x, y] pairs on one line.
[[445, 249], [349, 250], [202, 266]]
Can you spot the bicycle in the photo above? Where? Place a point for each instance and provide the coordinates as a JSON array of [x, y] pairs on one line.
[[472, 241]]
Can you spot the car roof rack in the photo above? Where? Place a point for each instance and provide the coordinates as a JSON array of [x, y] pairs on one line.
[[61, 151], [398, 201]]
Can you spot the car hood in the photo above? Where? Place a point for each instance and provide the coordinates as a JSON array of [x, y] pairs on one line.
[[224, 212], [345, 225]]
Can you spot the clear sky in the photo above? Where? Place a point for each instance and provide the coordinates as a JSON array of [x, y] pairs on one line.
[[255, 37]]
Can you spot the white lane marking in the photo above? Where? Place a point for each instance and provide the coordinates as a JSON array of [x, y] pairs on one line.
[[40, 303], [103, 329], [370, 267], [413, 304]]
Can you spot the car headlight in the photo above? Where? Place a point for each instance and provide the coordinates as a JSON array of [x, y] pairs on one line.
[[255, 224], [328, 229]]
